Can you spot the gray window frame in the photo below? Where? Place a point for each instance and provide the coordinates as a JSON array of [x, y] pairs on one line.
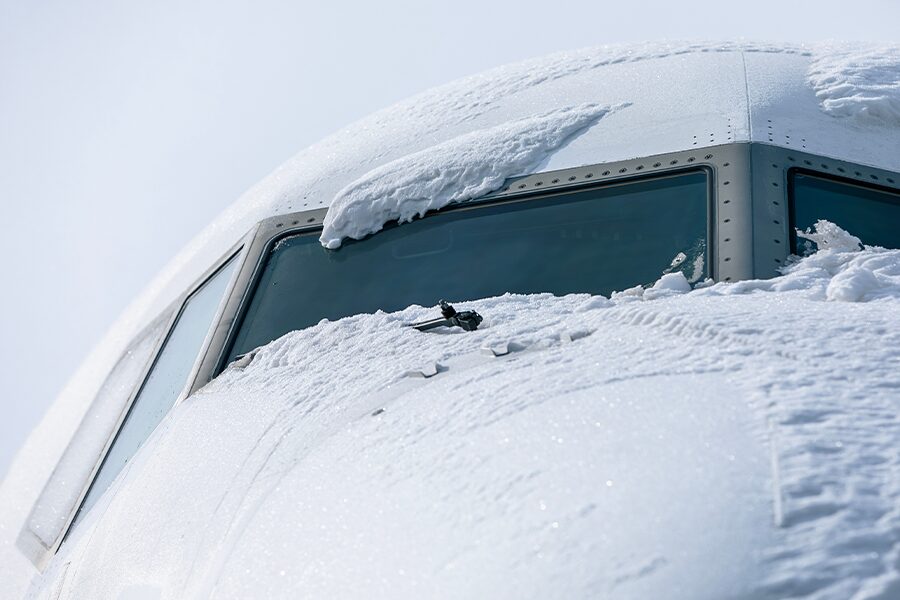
[[28, 542]]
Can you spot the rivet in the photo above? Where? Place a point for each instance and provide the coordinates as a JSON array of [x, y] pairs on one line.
[[726, 182], [657, 164], [727, 240], [639, 168], [776, 221], [727, 202], [775, 184], [622, 170], [777, 241], [708, 156], [589, 175], [521, 186], [555, 181], [604, 173], [572, 178], [727, 258], [673, 162], [310, 220], [727, 221]]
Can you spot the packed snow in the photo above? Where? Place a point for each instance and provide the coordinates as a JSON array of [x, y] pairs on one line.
[[735, 440], [457, 170]]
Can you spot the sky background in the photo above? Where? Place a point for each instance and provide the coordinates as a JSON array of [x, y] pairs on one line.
[[125, 127]]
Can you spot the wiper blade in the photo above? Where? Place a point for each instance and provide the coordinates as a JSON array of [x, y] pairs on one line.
[[468, 320]]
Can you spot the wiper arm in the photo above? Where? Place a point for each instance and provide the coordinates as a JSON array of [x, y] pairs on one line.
[[467, 319]]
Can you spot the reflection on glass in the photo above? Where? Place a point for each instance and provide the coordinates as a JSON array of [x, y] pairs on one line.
[[164, 383], [595, 241], [872, 215]]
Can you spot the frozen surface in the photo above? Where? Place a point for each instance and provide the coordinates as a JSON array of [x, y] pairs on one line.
[[678, 92], [840, 100], [860, 82], [737, 440], [457, 170]]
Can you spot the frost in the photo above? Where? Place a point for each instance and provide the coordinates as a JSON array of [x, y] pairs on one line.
[[457, 170], [858, 81]]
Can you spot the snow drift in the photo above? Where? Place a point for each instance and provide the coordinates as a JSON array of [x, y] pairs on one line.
[[457, 170]]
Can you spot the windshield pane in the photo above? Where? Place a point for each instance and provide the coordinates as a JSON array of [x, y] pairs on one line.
[[872, 215], [163, 384], [594, 241]]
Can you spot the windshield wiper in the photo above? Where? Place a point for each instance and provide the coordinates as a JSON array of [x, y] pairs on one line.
[[467, 319]]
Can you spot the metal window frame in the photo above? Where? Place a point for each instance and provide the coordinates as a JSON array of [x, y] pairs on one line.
[[30, 545], [723, 164]]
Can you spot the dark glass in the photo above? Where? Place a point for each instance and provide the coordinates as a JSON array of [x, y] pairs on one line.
[[163, 384], [594, 241], [871, 214]]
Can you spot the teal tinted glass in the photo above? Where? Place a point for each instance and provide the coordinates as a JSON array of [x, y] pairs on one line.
[[871, 214], [594, 241], [164, 383]]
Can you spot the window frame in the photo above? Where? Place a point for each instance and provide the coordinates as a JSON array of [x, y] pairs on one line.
[[29, 543], [302, 224]]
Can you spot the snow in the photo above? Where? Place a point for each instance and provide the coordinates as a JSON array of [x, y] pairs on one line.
[[836, 307], [457, 170], [736, 440], [860, 82]]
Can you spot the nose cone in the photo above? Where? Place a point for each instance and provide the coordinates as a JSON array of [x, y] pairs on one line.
[[648, 488]]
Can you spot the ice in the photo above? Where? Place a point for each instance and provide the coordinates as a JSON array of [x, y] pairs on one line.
[[457, 170], [828, 236]]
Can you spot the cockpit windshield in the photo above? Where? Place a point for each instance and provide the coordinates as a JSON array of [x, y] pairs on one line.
[[590, 241]]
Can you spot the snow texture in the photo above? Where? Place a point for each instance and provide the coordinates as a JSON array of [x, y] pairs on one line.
[[737, 440], [842, 99], [860, 82], [457, 170]]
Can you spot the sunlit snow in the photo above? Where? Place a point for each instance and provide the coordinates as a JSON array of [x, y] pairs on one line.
[[457, 170], [738, 440]]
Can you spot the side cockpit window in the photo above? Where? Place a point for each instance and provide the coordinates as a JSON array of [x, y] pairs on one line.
[[62, 493], [870, 213], [164, 383]]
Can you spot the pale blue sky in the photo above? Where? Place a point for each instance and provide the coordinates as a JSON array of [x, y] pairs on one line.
[[125, 127]]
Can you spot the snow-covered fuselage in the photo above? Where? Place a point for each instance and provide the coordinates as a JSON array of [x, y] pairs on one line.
[[692, 412]]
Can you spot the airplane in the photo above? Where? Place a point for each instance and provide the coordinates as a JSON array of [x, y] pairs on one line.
[[618, 322]]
